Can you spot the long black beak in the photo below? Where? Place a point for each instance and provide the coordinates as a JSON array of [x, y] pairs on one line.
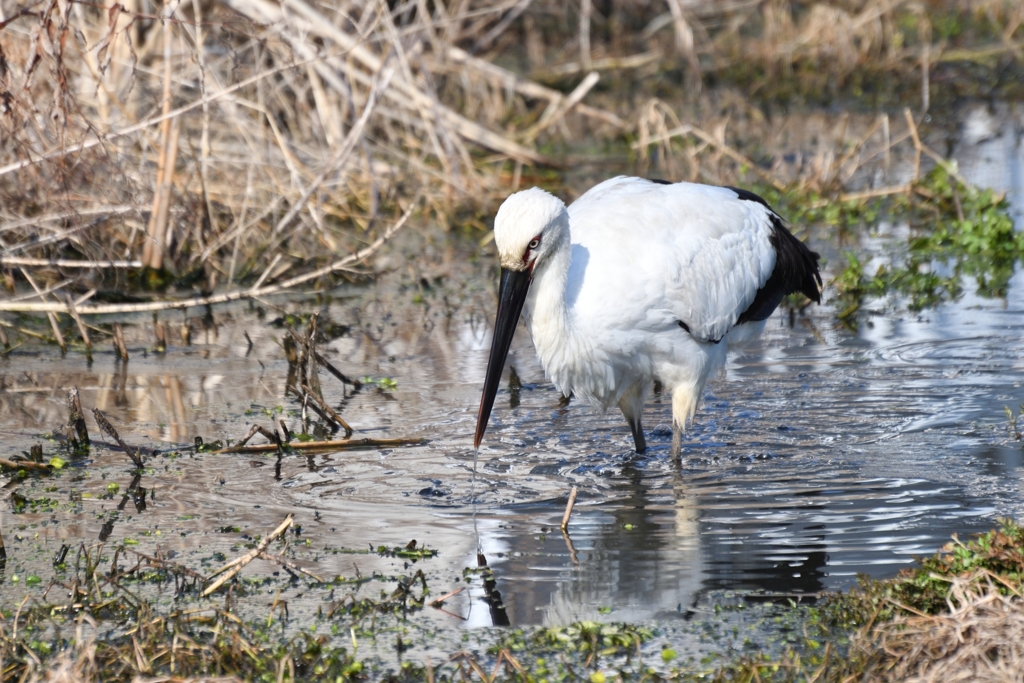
[[511, 297]]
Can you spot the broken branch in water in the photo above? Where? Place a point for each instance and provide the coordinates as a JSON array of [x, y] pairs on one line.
[[264, 555], [24, 465], [305, 397], [78, 432], [331, 414], [234, 566], [336, 445], [253, 431], [109, 430]]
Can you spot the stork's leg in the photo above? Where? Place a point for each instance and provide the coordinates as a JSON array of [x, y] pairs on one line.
[[632, 406], [684, 404]]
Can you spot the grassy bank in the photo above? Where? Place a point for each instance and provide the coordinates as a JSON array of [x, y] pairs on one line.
[[956, 615]]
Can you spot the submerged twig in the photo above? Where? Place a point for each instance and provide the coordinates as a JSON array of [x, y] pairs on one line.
[[335, 445], [232, 568]]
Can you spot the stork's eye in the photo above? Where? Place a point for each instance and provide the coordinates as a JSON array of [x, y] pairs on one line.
[[534, 243]]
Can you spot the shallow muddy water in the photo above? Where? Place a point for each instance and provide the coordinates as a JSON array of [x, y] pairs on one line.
[[819, 453]]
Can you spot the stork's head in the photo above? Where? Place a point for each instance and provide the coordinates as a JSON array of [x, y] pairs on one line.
[[529, 227]]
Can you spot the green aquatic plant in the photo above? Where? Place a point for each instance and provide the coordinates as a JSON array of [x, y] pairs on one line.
[[957, 231]]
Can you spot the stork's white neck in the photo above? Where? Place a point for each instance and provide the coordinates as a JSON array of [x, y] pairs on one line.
[[547, 315]]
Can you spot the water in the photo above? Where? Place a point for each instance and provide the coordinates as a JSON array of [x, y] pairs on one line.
[[818, 454]]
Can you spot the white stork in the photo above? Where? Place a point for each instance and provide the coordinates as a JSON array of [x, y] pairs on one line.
[[638, 281]]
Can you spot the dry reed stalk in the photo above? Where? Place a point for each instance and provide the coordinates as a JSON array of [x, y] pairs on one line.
[[252, 293], [338, 159], [157, 232]]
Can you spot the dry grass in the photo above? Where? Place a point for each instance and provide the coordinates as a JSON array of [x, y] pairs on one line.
[[980, 639], [213, 143]]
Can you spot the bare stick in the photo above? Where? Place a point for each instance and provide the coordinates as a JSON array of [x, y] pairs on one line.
[[103, 309], [334, 371], [160, 332], [28, 333], [119, 348], [917, 142], [446, 596], [78, 321], [328, 409], [488, 39], [67, 263], [306, 397], [341, 155], [568, 509], [335, 445], [109, 430], [158, 235], [76, 420], [232, 568], [555, 111]]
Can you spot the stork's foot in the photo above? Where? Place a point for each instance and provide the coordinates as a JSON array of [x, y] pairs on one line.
[[632, 406], [639, 443], [677, 443]]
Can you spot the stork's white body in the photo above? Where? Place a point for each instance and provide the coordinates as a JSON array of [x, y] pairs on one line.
[[604, 314], [639, 281]]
